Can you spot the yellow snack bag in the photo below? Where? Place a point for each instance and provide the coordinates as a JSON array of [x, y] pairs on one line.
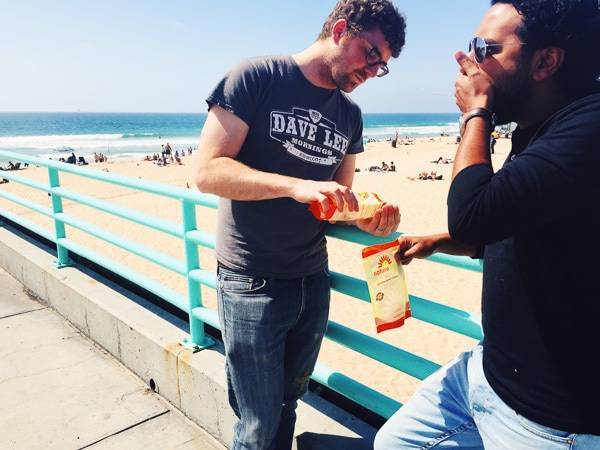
[[368, 203], [387, 286]]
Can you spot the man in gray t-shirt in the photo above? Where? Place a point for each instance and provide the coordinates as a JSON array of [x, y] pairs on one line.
[[282, 133]]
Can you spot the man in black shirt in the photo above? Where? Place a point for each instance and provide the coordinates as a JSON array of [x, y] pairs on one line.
[[534, 381]]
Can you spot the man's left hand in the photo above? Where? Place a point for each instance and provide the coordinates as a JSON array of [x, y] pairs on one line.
[[385, 221]]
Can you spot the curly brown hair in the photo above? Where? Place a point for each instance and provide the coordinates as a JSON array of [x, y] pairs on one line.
[[367, 15]]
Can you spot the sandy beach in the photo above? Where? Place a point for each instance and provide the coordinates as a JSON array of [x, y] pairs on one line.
[[422, 204]]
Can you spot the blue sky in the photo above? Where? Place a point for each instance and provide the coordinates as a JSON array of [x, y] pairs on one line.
[[165, 56]]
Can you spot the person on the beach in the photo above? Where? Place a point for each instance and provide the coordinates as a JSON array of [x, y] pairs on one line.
[[534, 381], [280, 134]]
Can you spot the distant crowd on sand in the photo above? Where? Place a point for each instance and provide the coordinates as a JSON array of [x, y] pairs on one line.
[[73, 159], [12, 166], [397, 141], [384, 167], [433, 175], [168, 156]]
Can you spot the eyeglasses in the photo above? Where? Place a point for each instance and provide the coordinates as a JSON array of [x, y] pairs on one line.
[[373, 58], [482, 49]]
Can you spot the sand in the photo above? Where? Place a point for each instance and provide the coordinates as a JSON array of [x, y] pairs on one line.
[[423, 208]]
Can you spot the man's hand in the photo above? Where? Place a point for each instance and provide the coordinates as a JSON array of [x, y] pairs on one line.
[[473, 87], [424, 246], [385, 221], [416, 247], [307, 191]]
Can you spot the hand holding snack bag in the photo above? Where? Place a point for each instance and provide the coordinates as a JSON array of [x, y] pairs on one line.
[[387, 286], [368, 203]]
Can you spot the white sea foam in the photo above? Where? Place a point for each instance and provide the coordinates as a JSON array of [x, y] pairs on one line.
[[87, 143], [129, 145], [384, 132]]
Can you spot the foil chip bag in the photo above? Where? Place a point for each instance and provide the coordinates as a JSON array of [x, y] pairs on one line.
[[387, 286], [368, 203]]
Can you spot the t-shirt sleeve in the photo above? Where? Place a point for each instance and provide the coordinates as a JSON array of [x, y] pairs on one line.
[[552, 177], [238, 92], [356, 141]]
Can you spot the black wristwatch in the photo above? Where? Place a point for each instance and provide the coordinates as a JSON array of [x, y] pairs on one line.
[[477, 112]]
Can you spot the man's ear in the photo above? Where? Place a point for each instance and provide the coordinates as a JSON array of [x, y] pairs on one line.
[[339, 29], [546, 62]]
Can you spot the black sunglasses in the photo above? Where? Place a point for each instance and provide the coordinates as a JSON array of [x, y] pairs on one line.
[[482, 49]]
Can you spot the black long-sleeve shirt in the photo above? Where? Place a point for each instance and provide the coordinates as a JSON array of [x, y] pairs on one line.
[[539, 220]]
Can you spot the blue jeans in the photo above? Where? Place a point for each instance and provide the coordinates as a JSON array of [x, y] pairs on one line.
[[272, 330], [457, 408]]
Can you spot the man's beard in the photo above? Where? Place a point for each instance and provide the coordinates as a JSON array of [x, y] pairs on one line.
[[512, 95], [343, 81]]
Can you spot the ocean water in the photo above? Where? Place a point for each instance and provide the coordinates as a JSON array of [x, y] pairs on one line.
[[130, 135]]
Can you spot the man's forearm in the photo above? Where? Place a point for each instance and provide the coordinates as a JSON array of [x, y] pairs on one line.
[[232, 179], [474, 147], [445, 244]]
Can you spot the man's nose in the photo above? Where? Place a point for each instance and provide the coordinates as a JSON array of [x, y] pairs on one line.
[[372, 71]]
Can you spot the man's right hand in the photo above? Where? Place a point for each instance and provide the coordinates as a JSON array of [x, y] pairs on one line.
[[416, 247], [424, 246], [308, 191], [473, 88]]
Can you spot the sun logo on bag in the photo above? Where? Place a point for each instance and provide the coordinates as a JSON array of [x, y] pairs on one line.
[[384, 261]]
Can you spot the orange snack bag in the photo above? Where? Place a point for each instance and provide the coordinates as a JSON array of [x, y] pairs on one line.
[[387, 286], [368, 203]]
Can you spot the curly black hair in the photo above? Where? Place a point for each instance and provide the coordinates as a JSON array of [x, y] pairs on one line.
[[366, 15], [573, 25]]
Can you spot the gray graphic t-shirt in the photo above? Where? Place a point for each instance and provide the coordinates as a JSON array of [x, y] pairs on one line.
[[298, 130]]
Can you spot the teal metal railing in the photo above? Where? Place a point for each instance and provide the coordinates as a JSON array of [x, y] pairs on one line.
[[423, 309]]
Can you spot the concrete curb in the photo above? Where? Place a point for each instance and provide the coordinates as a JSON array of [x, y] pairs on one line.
[[149, 346]]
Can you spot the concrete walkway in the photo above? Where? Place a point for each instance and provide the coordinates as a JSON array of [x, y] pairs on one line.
[[60, 391]]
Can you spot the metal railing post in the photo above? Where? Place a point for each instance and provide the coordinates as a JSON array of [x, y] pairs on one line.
[[62, 253], [197, 340]]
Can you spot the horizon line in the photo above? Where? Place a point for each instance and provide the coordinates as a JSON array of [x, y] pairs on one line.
[[193, 112]]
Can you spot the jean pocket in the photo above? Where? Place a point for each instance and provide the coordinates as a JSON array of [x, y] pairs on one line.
[[238, 283], [543, 432]]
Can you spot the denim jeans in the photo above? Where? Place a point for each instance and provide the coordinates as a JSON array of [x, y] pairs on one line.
[[457, 408], [272, 330]]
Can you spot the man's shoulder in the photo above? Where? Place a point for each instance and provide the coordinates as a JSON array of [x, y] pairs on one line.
[[265, 64], [583, 106], [580, 117]]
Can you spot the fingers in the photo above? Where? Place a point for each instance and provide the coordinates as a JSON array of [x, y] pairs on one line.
[[341, 196], [401, 257], [339, 199], [351, 200], [389, 220], [413, 251], [374, 222], [396, 218], [323, 201], [467, 65]]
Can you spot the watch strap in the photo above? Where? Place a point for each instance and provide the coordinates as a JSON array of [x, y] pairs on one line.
[[476, 112]]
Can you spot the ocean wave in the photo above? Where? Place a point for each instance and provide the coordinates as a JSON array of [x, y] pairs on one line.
[[413, 131], [138, 135], [91, 142]]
